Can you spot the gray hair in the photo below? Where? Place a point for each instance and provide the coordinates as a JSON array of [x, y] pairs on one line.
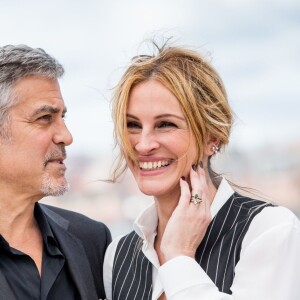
[[17, 62]]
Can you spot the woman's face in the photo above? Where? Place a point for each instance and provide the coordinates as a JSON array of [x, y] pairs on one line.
[[159, 134]]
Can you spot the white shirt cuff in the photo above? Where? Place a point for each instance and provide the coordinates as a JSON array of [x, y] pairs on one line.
[[181, 273]]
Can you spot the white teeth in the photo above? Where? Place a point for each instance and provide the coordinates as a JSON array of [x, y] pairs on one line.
[[154, 165]]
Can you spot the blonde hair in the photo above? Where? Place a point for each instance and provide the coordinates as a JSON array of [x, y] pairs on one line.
[[197, 87]]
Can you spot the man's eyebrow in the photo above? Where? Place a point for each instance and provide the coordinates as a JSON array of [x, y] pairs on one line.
[[48, 109]]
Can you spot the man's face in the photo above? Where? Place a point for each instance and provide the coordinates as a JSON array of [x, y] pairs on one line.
[[31, 162]]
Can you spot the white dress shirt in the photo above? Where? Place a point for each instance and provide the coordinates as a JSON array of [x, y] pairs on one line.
[[268, 269]]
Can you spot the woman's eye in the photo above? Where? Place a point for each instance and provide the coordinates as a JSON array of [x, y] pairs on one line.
[[133, 125], [166, 124]]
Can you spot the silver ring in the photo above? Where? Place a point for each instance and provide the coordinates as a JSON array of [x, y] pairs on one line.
[[196, 199]]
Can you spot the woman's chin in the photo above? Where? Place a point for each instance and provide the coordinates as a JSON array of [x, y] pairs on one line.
[[161, 190], [151, 190], [157, 187], [148, 191]]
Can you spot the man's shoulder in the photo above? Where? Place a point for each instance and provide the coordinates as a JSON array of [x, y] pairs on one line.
[[76, 221], [67, 214]]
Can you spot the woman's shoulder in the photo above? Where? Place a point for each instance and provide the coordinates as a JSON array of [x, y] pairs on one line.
[[276, 216], [273, 220], [268, 213]]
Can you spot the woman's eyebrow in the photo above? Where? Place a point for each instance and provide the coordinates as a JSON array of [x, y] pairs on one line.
[[170, 115], [158, 117], [132, 116]]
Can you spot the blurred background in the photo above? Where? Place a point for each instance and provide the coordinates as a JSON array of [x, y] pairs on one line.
[[254, 45]]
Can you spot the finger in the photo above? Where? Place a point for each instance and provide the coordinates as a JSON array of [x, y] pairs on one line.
[[185, 194], [204, 190], [196, 181], [196, 187], [201, 173]]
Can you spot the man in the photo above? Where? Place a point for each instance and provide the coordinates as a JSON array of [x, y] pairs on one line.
[[45, 252]]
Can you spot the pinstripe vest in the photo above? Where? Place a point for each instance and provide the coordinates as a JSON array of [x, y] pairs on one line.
[[217, 254]]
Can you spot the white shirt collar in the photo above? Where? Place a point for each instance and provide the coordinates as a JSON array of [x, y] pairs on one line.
[[223, 193], [145, 224]]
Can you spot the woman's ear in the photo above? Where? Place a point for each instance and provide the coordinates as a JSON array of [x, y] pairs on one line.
[[211, 146]]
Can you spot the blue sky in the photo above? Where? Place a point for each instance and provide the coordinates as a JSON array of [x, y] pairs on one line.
[[254, 45]]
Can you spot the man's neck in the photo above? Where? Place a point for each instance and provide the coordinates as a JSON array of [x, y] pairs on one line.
[[19, 227], [16, 216]]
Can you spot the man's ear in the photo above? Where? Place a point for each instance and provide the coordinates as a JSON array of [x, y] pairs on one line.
[[211, 146]]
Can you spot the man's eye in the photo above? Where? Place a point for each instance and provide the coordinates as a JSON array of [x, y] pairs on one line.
[[45, 118], [165, 124]]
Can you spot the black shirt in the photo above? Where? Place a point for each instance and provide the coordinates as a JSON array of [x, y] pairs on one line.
[[22, 274]]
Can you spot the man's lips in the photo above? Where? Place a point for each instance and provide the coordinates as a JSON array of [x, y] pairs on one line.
[[59, 160], [57, 155]]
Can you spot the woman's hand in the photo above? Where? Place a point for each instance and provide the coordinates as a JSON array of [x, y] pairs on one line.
[[188, 224]]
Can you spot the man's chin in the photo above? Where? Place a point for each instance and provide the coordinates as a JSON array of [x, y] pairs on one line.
[[52, 187]]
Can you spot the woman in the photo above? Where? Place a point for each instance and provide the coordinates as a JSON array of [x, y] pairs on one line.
[[200, 239]]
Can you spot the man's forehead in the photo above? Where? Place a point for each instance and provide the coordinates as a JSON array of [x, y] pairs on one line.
[[37, 89]]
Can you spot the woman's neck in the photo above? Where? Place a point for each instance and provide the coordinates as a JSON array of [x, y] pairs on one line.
[[165, 205]]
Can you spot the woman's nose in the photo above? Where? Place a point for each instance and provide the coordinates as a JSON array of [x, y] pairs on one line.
[[145, 143]]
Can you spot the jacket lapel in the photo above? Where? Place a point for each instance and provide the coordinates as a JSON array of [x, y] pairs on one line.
[[74, 253], [5, 290]]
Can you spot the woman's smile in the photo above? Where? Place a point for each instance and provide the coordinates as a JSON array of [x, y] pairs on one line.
[[154, 165]]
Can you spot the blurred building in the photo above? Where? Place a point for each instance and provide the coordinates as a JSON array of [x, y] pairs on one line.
[[270, 173]]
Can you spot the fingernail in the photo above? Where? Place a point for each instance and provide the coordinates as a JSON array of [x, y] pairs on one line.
[[182, 177], [194, 167], [201, 164]]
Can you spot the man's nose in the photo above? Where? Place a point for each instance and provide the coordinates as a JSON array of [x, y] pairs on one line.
[[63, 135]]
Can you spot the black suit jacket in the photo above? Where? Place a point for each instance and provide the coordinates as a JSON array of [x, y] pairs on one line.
[[83, 242]]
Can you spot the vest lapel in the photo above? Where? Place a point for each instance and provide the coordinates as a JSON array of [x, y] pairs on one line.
[[132, 271], [219, 252]]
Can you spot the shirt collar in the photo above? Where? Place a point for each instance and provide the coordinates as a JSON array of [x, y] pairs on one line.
[[145, 224], [43, 223], [47, 234], [224, 192]]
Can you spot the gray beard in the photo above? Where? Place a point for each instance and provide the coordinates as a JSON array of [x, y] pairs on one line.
[[50, 187]]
